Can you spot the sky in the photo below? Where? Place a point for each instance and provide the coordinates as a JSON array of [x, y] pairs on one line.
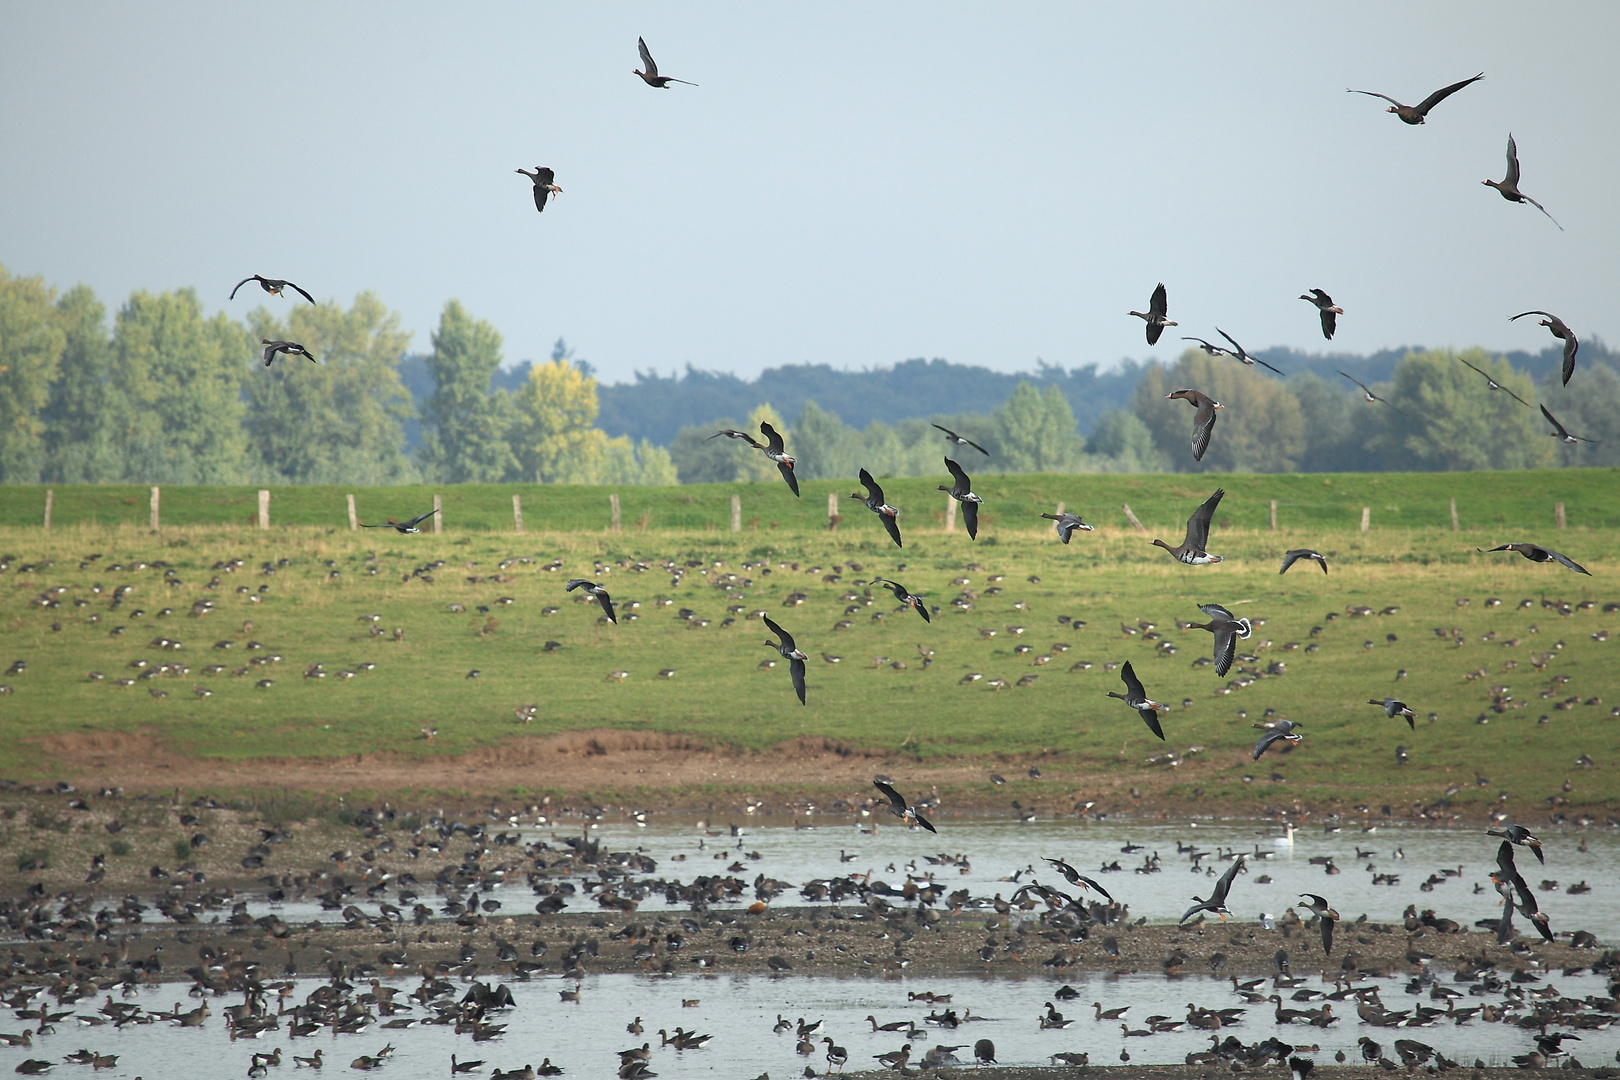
[[851, 183]]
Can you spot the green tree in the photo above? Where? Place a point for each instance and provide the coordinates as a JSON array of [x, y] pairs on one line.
[[1259, 428], [556, 441], [1588, 407], [700, 459], [79, 445], [340, 420], [465, 427], [176, 391], [824, 445], [751, 464], [1035, 432], [1339, 422], [1120, 442], [1451, 419], [31, 341]]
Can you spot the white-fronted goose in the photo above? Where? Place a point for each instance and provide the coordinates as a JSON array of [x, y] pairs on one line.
[[1216, 904], [1213, 350], [1518, 834], [790, 652], [1493, 384], [545, 185], [900, 809], [1242, 354], [651, 76], [1203, 419], [1537, 553], [597, 591], [1066, 524], [1154, 315], [1192, 550], [1227, 628], [1508, 187], [1562, 332], [1136, 697], [1393, 708], [873, 500], [1371, 397], [962, 492], [774, 449], [1319, 907], [414, 525], [273, 286], [1282, 730], [957, 440], [1327, 309], [1414, 114], [291, 348], [1292, 557], [1076, 878], [911, 600], [1562, 433]]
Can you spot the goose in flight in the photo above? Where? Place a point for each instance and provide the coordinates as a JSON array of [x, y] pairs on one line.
[[794, 656], [743, 435], [1154, 315], [1508, 186], [1241, 353], [291, 348], [1318, 906], [1518, 834], [774, 450], [1562, 332], [1203, 419], [1562, 434], [1329, 311], [957, 440], [1282, 731], [1076, 878], [899, 808], [273, 286], [1066, 524], [1212, 350], [962, 492], [1393, 708], [651, 76], [1507, 877], [1136, 697], [1414, 114], [414, 525], [545, 185], [1494, 385], [1292, 557], [1537, 553], [1216, 903], [911, 600], [1191, 551], [1227, 628], [597, 591], [873, 499], [1371, 397]]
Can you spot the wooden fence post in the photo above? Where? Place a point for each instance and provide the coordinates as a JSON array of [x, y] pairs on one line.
[[1273, 515], [354, 519], [1456, 526], [438, 518], [50, 497], [264, 509], [736, 513], [1366, 517], [832, 505], [154, 509], [950, 514], [613, 501], [517, 513], [1133, 518], [1558, 512], [1059, 512]]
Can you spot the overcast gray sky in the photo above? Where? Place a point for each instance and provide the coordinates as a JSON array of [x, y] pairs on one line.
[[852, 184]]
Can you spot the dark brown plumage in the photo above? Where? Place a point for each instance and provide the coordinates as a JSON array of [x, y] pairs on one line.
[[651, 76], [1329, 311], [1154, 315], [1203, 419], [1414, 114], [545, 185], [1508, 186], [1562, 332]]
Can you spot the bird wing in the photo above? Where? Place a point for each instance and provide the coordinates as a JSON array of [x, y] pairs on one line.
[[1465, 363], [243, 282], [1520, 315], [1569, 562], [893, 528], [1374, 93], [1330, 322], [1225, 648], [1203, 428], [1266, 740], [1224, 885], [1440, 95], [541, 193], [924, 822], [1160, 302], [300, 292], [897, 803], [796, 667], [1553, 420], [787, 638], [873, 492], [574, 583], [1150, 717], [1065, 528], [970, 518], [1512, 179], [922, 609], [1263, 364], [953, 435], [1290, 558], [787, 474], [1133, 685], [1240, 354], [544, 176], [1154, 332], [1198, 524], [1359, 383], [647, 60], [1202, 905], [773, 438], [959, 476], [1543, 209], [1571, 347], [607, 604], [1327, 935], [977, 447], [1215, 350], [419, 518]]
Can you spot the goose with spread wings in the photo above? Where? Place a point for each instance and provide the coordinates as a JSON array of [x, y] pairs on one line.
[[962, 492], [1414, 114], [1066, 524], [290, 348], [1135, 696], [1371, 397], [873, 501], [597, 591], [1327, 309], [900, 809], [1292, 557], [1154, 315], [1227, 628], [414, 525], [1192, 550], [1281, 731], [1319, 907], [1507, 876], [1562, 332], [1393, 707], [1216, 904], [651, 76], [791, 653], [1561, 433], [545, 185], [1203, 419], [1242, 354], [1508, 186], [957, 440], [774, 449], [911, 600], [1493, 384], [1076, 878], [1537, 553], [273, 286]]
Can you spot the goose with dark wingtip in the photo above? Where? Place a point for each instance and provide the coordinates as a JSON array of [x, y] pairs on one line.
[[1508, 186], [1066, 524], [1371, 397], [1562, 332], [414, 525], [291, 348], [1154, 315], [1292, 557], [1560, 432], [651, 76], [1518, 834], [1537, 553], [962, 492], [1076, 878], [1136, 697], [900, 809], [1241, 354], [873, 500], [911, 600], [1414, 114], [545, 185], [273, 286], [775, 449], [1203, 419], [1192, 550], [1216, 904], [1318, 906], [1393, 708], [957, 440], [1328, 310], [597, 591], [1493, 384], [1227, 628], [790, 652], [1281, 731]]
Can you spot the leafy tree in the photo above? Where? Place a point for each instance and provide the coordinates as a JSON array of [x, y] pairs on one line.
[[751, 464], [700, 459], [824, 445], [31, 340], [1452, 420], [1588, 407], [79, 445], [465, 436], [1339, 424], [1036, 432], [1122, 443], [556, 442], [1260, 428], [176, 406], [341, 419]]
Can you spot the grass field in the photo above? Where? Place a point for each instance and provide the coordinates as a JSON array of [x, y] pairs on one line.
[[1410, 559]]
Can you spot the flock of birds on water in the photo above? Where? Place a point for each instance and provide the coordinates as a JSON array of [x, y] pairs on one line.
[[340, 1008]]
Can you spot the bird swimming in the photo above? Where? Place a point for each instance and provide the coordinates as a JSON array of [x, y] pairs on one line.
[[1414, 114], [1154, 315], [962, 492], [597, 591], [1537, 553], [1327, 309], [545, 185], [1136, 697], [273, 286], [1066, 524], [1227, 628], [1203, 419], [873, 499], [1562, 332], [1192, 550], [794, 656], [651, 76], [291, 348], [414, 525], [1292, 557], [1508, 186], [899, 808]]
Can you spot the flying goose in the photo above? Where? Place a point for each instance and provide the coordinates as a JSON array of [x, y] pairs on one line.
[[1216, 903], [794, 656], [414, 525], [954, 438], [1292, 557], [1212, 350], [1076, 878], [1066, 524], [1414, 114], [899, 808], [1562, 332], [1241, 353], [1518, 834], [1494, 385], [1562, 433], [1154, 315], [651, 76], [773, 449], [873, 499], [962, 492], [1327, 309], [1537, 553], [1203, 419], [545, 185], [1282, 730], [1136, 697], [1191, 551], [1508, 187], [1371, 397], [273, 286], [291, 348], [1393, 708], [1318, 906], [1227, 628], [911, 600], [597, 591]]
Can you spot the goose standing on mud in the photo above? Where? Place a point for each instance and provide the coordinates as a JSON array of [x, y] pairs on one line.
[[1154, 315], [1066, 524], [1136, 697], [597, 591], [1327, 309], [900, 809], [962, 492], [1562, 332], [1414, 114], [1508, 186], [911, 600], [873, 499], [1191, 550], [1292, 557], [790, 652], [1203, 419], [1227, 628], [1537, 553], [545, 185]]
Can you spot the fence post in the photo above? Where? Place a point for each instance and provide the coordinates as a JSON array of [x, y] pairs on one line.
[[1558, 512], [832, 505], [154, 509], [950, 514], [264, 509], [354, 519], [1133, 518], [517, 513], [736, 513], [50, 497], [438, 518], [613, 501], [1456, 526], [1366, 517], [1273, 515]]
